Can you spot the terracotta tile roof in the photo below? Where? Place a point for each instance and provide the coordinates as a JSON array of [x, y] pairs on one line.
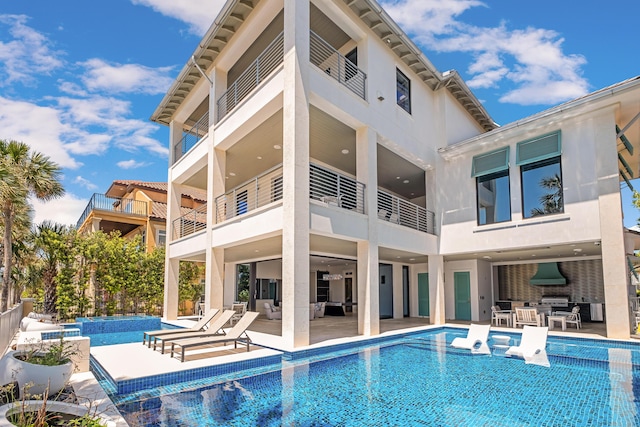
[[162, 186]]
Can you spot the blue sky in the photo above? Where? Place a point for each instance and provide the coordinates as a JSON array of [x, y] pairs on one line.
[[79, 79]]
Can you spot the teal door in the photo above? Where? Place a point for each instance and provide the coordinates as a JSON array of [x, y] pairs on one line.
[[462, 286], [423, 294]]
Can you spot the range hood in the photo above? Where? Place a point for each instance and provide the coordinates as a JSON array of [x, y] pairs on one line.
[[548, 274]]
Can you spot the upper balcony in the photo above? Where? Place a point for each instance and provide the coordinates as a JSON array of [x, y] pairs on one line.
[[115, 213]]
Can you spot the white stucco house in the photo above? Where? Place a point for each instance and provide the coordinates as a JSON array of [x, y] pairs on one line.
[[341, 166]]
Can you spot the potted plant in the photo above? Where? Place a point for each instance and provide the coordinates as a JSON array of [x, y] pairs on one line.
[[43, 367]]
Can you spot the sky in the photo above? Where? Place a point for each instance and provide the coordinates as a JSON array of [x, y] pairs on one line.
[[79, 79]]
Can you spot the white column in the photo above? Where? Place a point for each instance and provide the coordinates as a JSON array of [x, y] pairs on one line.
[[172, 266], [398, 291], [436, 290], [95, 224], [368, 261], [614, 264], [295, 169]]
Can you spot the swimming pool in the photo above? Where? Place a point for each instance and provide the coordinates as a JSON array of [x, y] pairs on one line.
[[415, 379]]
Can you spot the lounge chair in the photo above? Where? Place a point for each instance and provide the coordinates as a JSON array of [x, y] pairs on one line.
[[235, 334], [214, 329], [532, 346], [476, 339], [199, 326]]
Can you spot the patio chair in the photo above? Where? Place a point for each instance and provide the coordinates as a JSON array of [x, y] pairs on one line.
[[527, 316], [394, 218], [236, 334], [532, 346], [498, 315], [572, 317], [271, 312], [199, 326], [215, 329], [318, 310], [476, 339], [240, 309], [382, 214]]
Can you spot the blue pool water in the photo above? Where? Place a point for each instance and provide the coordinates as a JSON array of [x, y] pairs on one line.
[[111, 338], [416, 379], [109, 324]]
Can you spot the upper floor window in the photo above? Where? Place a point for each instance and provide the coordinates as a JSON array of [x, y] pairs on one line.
[[161, 239], [491, 171], [403, 91], [541, 175]]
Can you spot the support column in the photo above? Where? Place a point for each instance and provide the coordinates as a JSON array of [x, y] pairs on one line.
[[436, 290], [172, 265], [95, 224], [368, 261], [614, 265], [295, 169]]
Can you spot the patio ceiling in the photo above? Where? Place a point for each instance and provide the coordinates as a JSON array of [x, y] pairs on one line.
[[534, 255]]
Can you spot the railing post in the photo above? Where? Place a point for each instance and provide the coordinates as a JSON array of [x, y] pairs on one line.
[[256, 189]]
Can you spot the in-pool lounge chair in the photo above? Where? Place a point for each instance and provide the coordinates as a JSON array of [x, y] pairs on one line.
[[198, 327], [476, 339], [214, 329], [532, 346], [236, 334]]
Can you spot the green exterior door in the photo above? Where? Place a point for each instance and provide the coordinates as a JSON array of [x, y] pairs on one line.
[[462, 286], [423, 294]]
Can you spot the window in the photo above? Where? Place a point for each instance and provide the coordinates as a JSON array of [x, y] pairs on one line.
[[542, 188], [403, 91], [491, 171], [493, 198], [161, 240], [541, 175]]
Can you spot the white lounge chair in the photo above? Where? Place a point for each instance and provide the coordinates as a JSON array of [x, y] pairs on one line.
[[236, 334], [198, 327], [476, 339], [532, 346], [215, 329]]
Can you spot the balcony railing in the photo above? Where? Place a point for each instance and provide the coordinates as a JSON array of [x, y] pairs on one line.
[[100, 202], [335, 189], [190, 223], [192, 136], [403, 212], [250, 78], [259, 191], [325, 57]]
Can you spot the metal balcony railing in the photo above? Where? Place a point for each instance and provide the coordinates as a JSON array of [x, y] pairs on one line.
[[335, 189], [325, 57], [403, 212], [253, 194], [190, 223], [100, 202], [265, 63], [192, 136]]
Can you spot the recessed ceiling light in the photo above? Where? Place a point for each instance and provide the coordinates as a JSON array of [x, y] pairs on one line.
[[256, 250], [232, 174], [397, 177], [577, 250], [277, 146], [412, 259], [345, 151], [486, 257], [398, 256], [259, 157], [533, 254], [406, 181]]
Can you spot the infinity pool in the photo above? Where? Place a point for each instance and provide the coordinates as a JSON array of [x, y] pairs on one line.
[[411, 380]]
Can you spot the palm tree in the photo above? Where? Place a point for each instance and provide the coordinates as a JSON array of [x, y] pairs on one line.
[[27, 173], [551, 202], [50, 247]]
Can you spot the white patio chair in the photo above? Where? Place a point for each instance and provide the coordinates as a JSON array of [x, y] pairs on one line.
[[572, 317], [498, 315], [527, 316]]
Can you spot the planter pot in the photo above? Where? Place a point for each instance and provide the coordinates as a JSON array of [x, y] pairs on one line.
[[37, 378], [57, 407]]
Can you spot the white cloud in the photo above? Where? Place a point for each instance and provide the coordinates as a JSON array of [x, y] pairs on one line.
[[125, 78], [85, 183], [131, 164], [65, 210], [530, 61], [39, 127], [27, 54], [197, 13]]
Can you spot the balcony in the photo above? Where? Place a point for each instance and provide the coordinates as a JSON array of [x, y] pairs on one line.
[[190, 223], [399, 211], [329, 60], [335, 189], [116, 205], [191, 137], [256, 73]]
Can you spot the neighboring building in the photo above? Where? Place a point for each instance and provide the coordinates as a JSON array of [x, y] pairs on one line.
[[342, 166], [135, 208]]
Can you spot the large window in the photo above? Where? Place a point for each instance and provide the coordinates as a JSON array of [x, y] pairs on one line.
[[491, 171], [403, 91], [542, 188], [493, 198]]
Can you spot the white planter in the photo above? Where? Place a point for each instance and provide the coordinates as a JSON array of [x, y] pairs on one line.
[[37, 377], [52, 406]]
